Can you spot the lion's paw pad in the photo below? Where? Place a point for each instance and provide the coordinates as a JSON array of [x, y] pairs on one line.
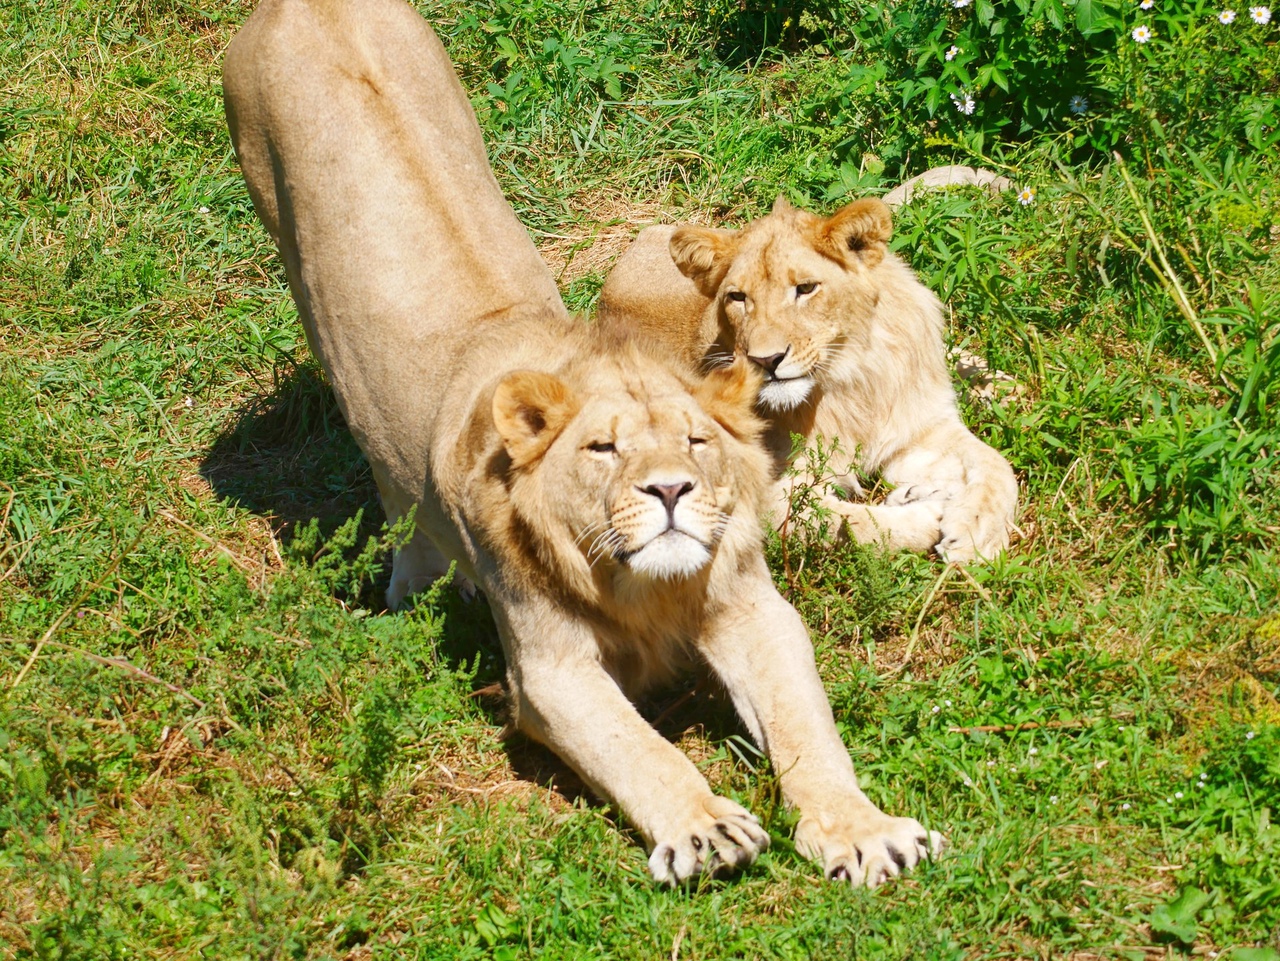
[[710, 846]]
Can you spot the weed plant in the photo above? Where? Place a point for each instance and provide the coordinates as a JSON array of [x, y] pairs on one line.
[[215, 744]]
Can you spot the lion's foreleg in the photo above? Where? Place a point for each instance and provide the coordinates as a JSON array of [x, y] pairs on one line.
[[564, 698], [915, 526], [762, 654]]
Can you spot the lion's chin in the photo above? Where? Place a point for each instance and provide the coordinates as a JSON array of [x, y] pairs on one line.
[[669, 556], [786, 394]]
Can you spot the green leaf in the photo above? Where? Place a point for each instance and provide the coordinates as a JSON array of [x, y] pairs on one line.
[[1086, 17], [1178, 917]]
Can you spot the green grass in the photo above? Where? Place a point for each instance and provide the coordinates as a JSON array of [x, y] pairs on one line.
[[214, 743]]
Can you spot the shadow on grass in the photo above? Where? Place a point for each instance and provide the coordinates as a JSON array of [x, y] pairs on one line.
[[289, 457]]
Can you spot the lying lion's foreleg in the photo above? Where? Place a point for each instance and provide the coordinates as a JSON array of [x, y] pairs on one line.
[[900, 527], [914, 526], [564, 698], [763, 656]]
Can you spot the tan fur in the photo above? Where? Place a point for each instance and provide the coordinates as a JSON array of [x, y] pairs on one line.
[[607, 505], [862, 363]]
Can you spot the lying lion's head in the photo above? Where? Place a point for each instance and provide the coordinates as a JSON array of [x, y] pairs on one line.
[[623, 469], [792, 286]]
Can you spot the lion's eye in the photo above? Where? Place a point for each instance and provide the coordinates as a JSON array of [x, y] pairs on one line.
[[696, 442], [737, 296], [805, 288], [602, 447]]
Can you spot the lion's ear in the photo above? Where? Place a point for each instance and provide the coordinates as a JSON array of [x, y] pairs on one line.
[[728, 395], [781, 205], [859, 231], [703, 255], [530, 409]]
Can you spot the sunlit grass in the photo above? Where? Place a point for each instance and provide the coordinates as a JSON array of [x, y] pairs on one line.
[[221, 746]]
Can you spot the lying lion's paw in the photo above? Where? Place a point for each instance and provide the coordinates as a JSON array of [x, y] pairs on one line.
[[925, 491], [870, 850], [718, 839], [966, 537]]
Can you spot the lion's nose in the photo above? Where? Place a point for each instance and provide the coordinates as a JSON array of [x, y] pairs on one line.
[[770, 363], [669, 493]]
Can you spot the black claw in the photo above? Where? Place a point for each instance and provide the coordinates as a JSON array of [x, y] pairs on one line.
[[724, 833], [858, 852], [897, 856], [839, 873], [696, 842], [671, 861]]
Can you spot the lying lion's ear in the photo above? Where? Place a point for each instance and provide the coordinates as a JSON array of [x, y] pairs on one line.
[[859, 231], [703, 255], [728, 395], [530, 409], [781, 205]]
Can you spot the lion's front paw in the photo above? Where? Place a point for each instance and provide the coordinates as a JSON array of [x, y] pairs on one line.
[[967, 536], [718, 838], [924, 491], [868, 850]]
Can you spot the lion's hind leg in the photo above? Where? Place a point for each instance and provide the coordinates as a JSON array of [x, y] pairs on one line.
[[416, 566]]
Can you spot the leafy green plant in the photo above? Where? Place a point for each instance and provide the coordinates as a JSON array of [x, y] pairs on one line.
[[1093, 75]]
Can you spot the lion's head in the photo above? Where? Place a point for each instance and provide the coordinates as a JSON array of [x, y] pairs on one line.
[[624, 472], [792, 287]]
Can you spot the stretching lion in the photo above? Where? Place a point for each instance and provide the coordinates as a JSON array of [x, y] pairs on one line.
[[607, 504], [850, 344]]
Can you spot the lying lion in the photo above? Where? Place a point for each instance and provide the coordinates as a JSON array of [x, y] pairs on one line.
[[850, 343], [607, 504]]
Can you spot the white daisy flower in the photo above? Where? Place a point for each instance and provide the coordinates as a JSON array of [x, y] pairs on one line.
[[1260, 14], [1079, 104], [1146, 4], [951, 53], [1251, 735], [1142, 34], [1227, 16], [1027, 196], [964, 102], [960, 3], [1125, 806]]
